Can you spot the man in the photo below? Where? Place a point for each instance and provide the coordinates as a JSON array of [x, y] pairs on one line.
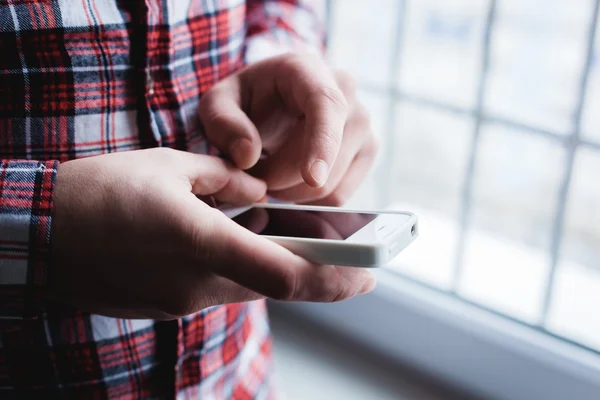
[[116, 281]]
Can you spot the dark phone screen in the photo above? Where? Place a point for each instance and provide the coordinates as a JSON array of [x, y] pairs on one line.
[[303, 224]]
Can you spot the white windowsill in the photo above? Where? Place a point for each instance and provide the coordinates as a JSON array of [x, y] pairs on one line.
[[312, 363], [473, 349]]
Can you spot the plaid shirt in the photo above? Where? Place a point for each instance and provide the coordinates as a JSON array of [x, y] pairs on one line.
[[80, 78]]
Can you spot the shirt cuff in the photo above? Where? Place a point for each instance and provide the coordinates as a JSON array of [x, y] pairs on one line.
[[26, 200]]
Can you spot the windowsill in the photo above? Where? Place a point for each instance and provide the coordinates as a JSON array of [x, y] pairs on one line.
[[312, 362], [460, 344]]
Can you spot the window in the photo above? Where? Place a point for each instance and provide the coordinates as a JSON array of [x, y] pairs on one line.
[[485, 110], [487, 115]]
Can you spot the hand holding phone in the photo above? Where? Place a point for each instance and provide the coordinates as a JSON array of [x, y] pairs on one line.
[[155, 251]]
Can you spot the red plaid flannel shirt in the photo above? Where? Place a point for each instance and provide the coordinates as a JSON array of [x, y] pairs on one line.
[[80, 78]]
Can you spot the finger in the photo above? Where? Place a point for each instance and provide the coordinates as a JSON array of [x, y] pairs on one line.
[[214, 176], [356, 136], [281, 170], [266, 268], [351, 181], [226, 125], [314, 92], [303, 193]]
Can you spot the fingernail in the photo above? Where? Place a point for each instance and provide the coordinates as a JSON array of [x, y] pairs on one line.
[[319, 170], [240, 150]]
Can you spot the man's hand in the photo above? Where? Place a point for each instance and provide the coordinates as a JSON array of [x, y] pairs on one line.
[[304, 117], [130, 239]]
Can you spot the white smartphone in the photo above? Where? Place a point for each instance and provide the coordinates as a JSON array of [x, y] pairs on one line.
[[331, 235]]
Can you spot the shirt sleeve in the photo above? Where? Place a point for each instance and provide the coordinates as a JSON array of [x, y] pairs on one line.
[[280, 26], [26, 191]]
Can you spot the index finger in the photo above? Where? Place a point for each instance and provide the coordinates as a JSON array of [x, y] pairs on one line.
[[308, 84]]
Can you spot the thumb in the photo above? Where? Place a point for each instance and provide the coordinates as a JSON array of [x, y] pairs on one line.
[[226, 125], [265, 267]]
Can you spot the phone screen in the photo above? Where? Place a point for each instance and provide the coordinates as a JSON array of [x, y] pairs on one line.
[[302, 223]]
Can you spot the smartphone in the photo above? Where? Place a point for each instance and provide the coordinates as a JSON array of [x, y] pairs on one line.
[[331, 235]]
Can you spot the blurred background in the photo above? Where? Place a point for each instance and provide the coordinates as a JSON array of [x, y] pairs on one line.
[[488, 115]]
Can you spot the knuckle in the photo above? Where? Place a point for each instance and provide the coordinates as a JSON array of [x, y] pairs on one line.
[[169, 159], [339, 296], [298, 60], [331, 97], [338, 290], [328, 140], [346, 82], [213, 117], [287, 287], [212, 113], [223, 182], [292, 58], [165, 152], [290, 63]]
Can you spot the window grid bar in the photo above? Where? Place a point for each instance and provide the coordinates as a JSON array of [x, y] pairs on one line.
[[485, 117], [386, 180], [481, 306], [465, 208], [589, 144], [573, 145], [328, 21]]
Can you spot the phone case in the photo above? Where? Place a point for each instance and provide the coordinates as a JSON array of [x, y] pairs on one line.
[[342, 252]]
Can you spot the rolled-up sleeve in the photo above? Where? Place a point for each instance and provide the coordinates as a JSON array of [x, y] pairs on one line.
[[26, 200]]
